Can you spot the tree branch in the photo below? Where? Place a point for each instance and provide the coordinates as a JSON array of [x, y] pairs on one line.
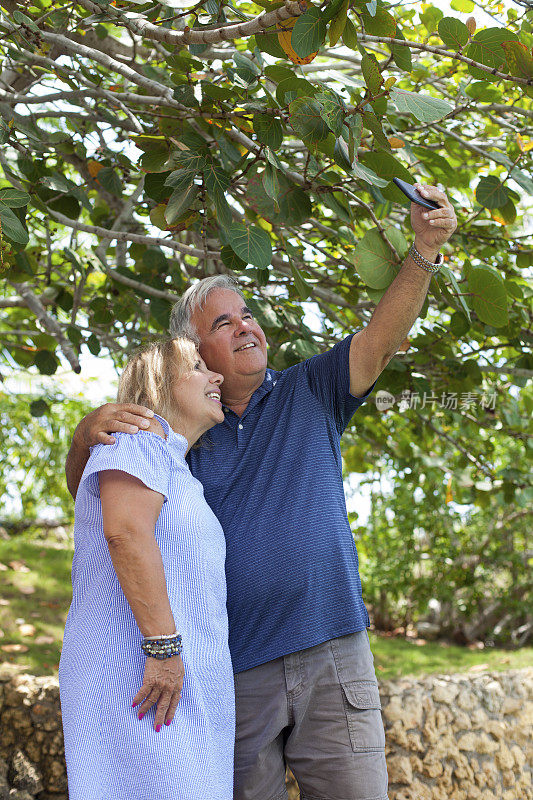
[[50, 324], [147, 30], [427, 48], [126, 236]]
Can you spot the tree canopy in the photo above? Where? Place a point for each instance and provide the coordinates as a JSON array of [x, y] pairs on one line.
[[148, 144]]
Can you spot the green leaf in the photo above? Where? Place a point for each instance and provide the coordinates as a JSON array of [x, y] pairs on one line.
[[14, 198], [333, 111], [486, 48], [371, 121], [155, 186], [401, 55], [306, 119], [12, 227], [465, 6], [185, 95], [224, 215], [246, 68], [380, 24], [338, 204], [268, 43], [268, 130], [490, 297], [490, 193], [46, 362], [519, 59], [332, 9], [355, 127], [180, 179], [38, 408], [215, 176], [349, 35], [453, 32], [524, 259], [153, 160], [337, 23], [231, 260], [109, 179], [302, 287], [388, 167], [294, 206], [422, 106], [451, 277], [374, 260], [371, 73], [179, 202], [93, 344], [289, 88], [22, 19], [190, 160], [157, 216], [270, 181], [341, 156], [308, 33], [507, 213], [251, 243]]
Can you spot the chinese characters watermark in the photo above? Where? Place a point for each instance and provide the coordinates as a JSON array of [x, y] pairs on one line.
[[453, 401]]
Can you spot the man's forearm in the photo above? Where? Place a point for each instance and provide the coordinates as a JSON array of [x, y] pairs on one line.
[[399, 307], [78, 455]]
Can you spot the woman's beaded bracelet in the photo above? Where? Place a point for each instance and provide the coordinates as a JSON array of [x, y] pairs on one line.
[[162, 647]]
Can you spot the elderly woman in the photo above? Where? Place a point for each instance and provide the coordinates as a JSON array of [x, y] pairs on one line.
[[145, 675]]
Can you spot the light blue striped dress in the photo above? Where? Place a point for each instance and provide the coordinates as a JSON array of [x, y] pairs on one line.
[[110, 754]]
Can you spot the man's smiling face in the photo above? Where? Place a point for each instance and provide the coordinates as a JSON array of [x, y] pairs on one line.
[[231, 341]]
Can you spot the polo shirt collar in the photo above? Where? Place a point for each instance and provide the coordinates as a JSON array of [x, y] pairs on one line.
[[265, 388]]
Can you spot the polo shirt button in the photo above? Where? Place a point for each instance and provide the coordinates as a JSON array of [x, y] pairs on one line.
[[240, 426]]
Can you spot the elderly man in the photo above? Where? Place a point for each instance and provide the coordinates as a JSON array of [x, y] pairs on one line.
[[306, 690]]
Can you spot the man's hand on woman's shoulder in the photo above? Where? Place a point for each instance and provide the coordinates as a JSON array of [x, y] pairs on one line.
[[98, 426]]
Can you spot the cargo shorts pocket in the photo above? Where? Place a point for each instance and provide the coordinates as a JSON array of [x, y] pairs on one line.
[[363, 714]]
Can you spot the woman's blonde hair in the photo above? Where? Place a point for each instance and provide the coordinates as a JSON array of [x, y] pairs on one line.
[[149, 374]]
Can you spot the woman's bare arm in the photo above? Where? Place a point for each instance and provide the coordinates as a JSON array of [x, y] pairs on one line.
[[130, 511]]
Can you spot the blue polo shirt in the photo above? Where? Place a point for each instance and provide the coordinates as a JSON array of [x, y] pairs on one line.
[[273, 477]]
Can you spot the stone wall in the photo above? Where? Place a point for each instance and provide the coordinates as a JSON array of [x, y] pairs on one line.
[[456, 737]]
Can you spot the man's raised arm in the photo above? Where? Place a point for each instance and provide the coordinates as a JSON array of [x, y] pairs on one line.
[[96, 428], [372, 348]]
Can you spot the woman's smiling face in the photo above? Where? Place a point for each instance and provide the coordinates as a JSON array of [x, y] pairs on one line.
[[197, 396]]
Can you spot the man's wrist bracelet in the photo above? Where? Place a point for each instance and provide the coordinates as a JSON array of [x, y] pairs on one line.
[[420, 261]]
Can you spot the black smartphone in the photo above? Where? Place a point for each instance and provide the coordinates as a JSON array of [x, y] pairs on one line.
[[413, 195]]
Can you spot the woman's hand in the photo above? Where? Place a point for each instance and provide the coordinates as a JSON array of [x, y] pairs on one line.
[[162, 684]]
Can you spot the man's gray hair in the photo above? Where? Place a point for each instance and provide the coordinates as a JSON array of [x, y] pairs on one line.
[[193, 298]]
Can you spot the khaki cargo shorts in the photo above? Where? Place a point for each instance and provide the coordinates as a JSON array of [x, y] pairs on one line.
[[318, 711]]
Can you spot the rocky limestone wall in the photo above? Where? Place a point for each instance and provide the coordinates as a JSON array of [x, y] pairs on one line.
[[453, 737]]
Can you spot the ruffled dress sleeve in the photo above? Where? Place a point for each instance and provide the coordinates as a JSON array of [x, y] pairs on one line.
[[144, 455]]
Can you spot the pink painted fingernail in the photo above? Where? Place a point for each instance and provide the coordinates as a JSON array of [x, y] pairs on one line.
[[133, 705], [157, 728], [141, 715], [168, 722]]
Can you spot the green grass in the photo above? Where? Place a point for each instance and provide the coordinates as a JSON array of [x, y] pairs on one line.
[[397, 657], [41, 597]]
